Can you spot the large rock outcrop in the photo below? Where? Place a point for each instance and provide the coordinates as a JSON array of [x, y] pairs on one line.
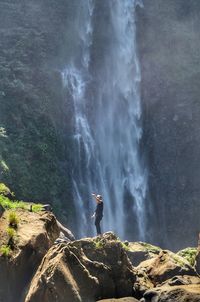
[[35, 234], [85, 270], [39, 268], [97, 268], [141, 251], [165, 266]]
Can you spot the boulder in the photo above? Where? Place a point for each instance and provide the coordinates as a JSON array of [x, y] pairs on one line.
[[83, 271], [142, 284], [35, 234], [189, 293], [165, 266], [62, 275], [140, 251], [127, 299], [182, 280]]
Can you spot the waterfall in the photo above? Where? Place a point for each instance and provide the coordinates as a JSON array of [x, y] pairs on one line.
[[102, 79]]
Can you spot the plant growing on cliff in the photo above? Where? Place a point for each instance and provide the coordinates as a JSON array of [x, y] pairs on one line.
[[151, 248], [189, 254], [37, 207], [5, 191], [5, 250], [99, 244], [11, 235], [13, 220]]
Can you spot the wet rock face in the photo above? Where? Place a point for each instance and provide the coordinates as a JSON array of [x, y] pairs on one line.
[[168, 44]]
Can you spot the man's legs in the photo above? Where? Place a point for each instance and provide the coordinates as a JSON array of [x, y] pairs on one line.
[[97, 224]]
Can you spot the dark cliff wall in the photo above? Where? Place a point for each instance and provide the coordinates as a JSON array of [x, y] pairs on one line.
[[35, 156], [169, 43]]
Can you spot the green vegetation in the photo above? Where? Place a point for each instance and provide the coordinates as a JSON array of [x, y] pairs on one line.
[[125, 246], [11, 232], [99, 244], [13, 219], [36, 207], [11, 236], [8, 204], [151, 248], [5, 191], [5, 250], [36, 142], [188, 254], [179, 260]]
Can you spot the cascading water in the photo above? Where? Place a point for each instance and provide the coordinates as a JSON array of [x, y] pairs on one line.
[[102, 80]]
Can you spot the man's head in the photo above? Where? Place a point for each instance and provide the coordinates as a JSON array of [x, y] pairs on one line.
[[99, 197]]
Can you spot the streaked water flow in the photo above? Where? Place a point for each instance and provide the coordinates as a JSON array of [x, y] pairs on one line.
[[107, 116]]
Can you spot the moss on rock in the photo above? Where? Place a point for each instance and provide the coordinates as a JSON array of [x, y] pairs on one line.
[[189, 254]]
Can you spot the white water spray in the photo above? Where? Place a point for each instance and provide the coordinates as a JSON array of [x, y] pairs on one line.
[[107, 122]]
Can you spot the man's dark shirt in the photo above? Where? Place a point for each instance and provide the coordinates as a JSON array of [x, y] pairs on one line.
[[99, 209]]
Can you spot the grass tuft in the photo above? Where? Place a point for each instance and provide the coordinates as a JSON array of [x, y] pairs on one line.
[[13, 220], [11, 233], [5, 250]]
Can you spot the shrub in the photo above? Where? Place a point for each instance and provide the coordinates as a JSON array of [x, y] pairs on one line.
[[13, 219], [189, 254], [11, 232], [4, 190], [99, 245], [37, 208], [5, 250]]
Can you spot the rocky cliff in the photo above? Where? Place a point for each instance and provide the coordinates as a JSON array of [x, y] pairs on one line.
[[35, 234], [39, 263], [168, 46], [34, 137]]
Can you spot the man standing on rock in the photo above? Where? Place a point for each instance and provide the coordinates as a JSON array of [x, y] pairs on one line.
[[98, 214]]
